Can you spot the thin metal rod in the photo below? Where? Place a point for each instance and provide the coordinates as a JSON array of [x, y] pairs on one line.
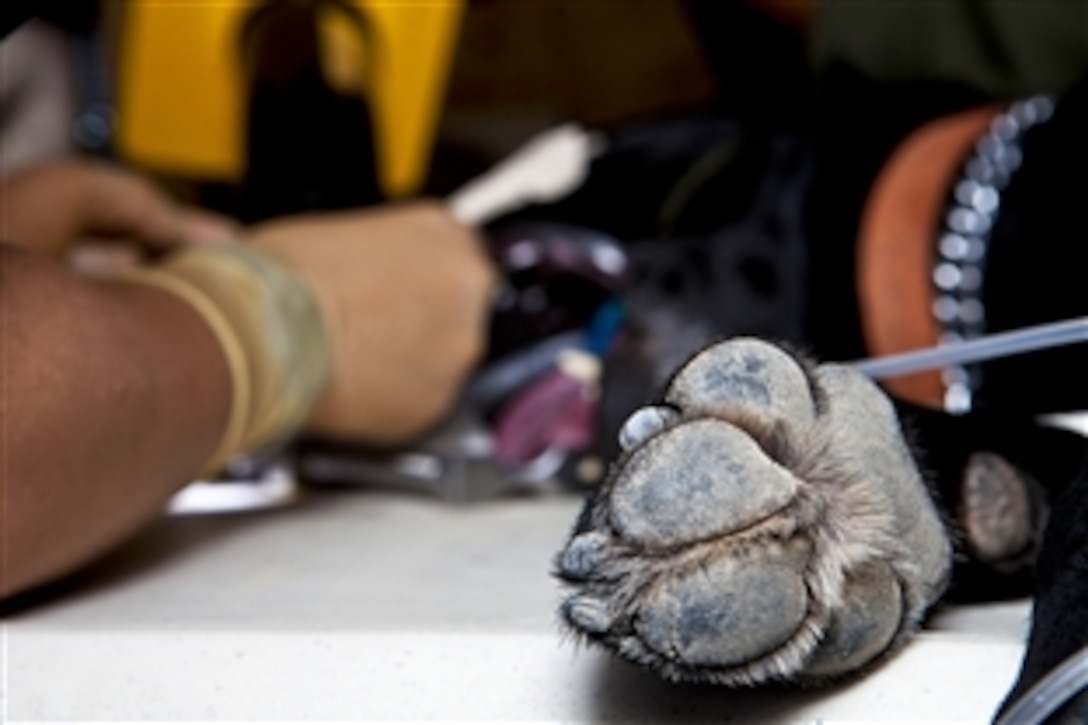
[[988, 347], [1061, 685]]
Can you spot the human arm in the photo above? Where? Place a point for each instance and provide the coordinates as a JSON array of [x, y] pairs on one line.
[[111, 398], [140, 391]]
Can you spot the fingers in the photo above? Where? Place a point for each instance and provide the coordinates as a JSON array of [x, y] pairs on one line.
[[122, 204], [52, 206], [41, 206], [199, 226]]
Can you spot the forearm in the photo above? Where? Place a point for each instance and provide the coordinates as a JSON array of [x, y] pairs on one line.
[[112, 396], [116, 394]]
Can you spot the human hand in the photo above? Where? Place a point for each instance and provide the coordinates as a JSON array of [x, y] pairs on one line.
[[405, 293], [53, 206]]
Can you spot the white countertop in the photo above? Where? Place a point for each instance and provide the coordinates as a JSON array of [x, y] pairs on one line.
[[359, 605]]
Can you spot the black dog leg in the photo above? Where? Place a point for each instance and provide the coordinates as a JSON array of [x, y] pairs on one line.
[[1060, 620]]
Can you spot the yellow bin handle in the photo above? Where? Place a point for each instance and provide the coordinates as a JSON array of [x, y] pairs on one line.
[[181, 102]]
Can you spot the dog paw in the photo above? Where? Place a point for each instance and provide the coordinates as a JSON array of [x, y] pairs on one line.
[[766, 521], [1002, 513]]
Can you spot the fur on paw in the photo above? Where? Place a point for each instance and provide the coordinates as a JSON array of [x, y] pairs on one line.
[[766, 521]]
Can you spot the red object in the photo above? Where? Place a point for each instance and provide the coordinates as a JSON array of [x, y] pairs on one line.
[[553, 412]]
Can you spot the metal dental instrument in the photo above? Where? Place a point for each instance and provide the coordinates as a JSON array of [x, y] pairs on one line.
[[987, 347]]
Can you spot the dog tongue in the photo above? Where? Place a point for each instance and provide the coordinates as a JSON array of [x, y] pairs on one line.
[[554, 412]]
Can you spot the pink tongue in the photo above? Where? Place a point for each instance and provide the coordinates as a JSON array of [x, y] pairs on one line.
[[555, 411]]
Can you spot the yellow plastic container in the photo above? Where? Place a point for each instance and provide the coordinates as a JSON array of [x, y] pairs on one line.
[[181, 101]]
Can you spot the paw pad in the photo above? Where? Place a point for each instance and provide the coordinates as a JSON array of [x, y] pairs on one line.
[[766, 521]]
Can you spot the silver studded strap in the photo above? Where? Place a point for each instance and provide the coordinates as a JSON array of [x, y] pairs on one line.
[[964, 240]]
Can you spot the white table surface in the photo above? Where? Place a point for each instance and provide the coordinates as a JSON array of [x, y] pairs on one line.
[[359, 605]]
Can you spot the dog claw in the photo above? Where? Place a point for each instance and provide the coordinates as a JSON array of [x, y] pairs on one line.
[[582, 555], [588, 614], [643, 424]]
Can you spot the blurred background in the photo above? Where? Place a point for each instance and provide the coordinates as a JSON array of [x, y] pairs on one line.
[[262, 108], [442, 89], [739, 136]]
